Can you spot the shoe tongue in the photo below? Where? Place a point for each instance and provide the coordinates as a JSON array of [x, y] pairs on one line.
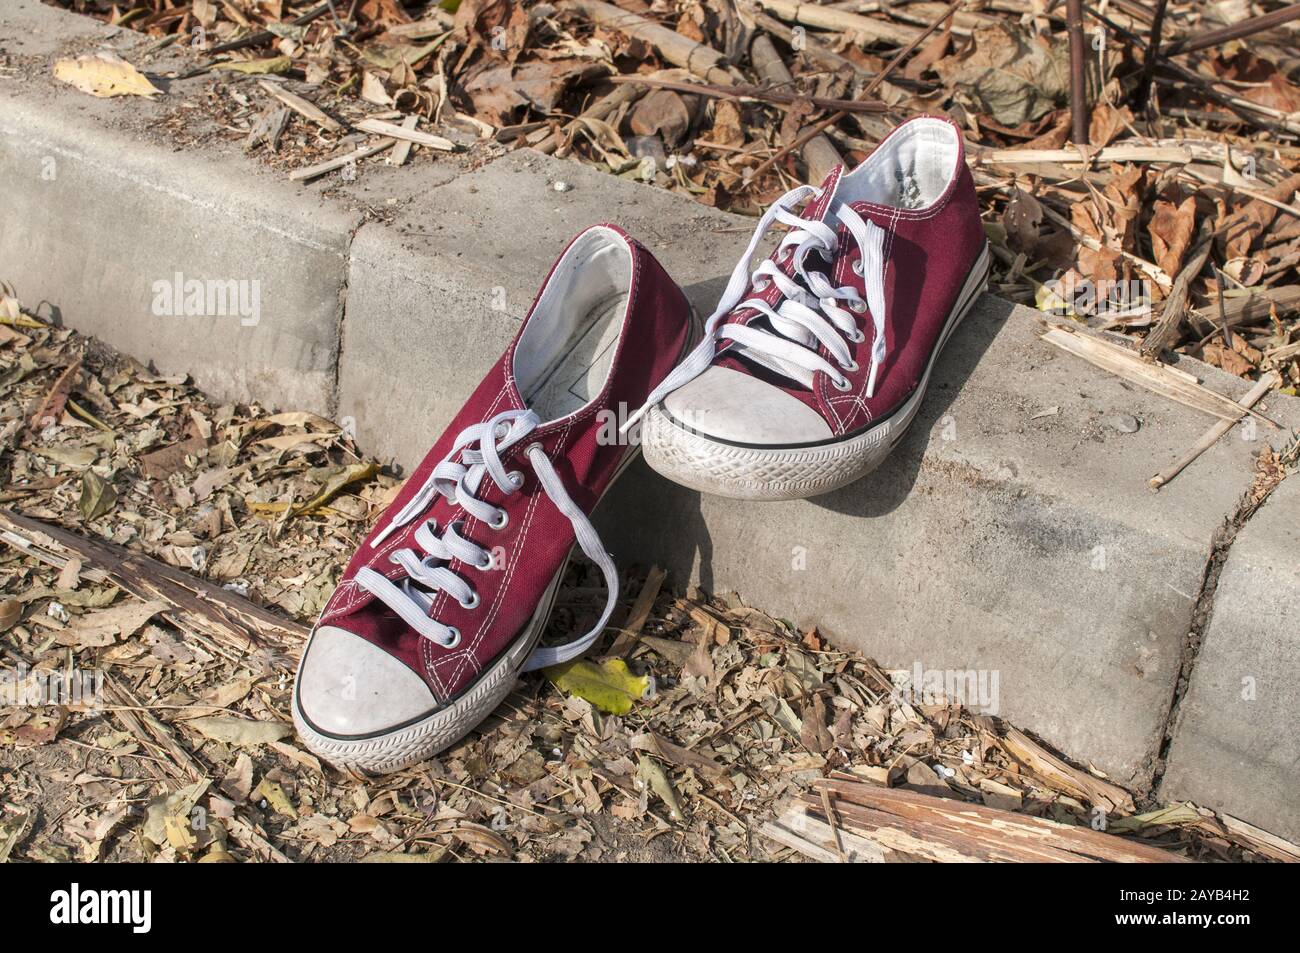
[[818, 209]]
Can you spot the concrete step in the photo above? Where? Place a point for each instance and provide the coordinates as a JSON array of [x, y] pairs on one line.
[[1011, 538]]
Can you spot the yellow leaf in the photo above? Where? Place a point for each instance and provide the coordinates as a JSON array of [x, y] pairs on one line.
[[275, 797], [103, 74], [609, 686], [276, 64]]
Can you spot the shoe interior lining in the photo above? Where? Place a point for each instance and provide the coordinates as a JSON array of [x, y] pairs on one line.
[[911, 169], [564, 356]]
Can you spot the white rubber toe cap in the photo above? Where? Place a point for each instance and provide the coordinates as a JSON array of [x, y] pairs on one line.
[[347, 687], [728, 405]]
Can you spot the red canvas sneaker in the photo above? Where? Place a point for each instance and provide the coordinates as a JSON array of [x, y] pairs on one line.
[[813, 366], [443, 605]]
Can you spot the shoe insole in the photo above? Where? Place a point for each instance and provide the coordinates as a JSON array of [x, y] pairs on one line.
[[581, 364]]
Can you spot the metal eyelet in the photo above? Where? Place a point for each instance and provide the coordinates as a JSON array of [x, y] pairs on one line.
[[501, 430], [785, 254], [486, 564], [851, 366], [473, 602], [859, 306], [762, 284], [516, 478], [842, 384], [857, 267], [857, 337], [454, 640], [500, 524]]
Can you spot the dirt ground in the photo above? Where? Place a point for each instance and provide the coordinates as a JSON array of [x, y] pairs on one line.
[[718, 719]]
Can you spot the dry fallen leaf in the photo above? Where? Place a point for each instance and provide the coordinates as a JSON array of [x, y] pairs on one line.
[[104, 75]]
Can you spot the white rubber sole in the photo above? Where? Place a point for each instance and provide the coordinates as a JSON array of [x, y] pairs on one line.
[[792, 473]]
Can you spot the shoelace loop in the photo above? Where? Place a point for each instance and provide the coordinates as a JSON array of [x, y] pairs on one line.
[[807, 314], [479, 449]]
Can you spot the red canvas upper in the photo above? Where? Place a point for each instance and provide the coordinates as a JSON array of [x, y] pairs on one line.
[[929, 254], [538, 537]]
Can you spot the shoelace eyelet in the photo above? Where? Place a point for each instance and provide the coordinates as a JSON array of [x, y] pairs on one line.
[[857, 337], [851, 366], [516, 479], [762, 284], [485, 565], [473, 602], [858, 307], [501, 522], [454, 640], [842, 384], [785, 254], [857, 267]]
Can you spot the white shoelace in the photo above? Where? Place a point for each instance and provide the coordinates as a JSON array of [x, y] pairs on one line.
[[809, 312], [479, 448]]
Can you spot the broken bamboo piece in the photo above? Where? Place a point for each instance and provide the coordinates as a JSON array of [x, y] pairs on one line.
[[703, 61], [1168, 382], [197, 604], [379, 127], [818, 152], [909, 825], [1211, 436], [841, 21]]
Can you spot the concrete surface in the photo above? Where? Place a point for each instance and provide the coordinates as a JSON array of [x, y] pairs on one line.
[[1236, 745], [436, 293], [99, 220], [1011, 533]]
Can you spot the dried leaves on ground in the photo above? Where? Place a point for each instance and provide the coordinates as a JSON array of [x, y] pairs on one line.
[[144, 695], [674, 92]]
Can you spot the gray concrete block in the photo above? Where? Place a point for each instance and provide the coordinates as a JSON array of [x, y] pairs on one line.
[[436, 293], [100, 219], [1235, 746], [1012, 534]]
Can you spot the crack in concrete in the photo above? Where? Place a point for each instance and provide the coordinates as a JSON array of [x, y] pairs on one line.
[[336, 364], [1203, 610]]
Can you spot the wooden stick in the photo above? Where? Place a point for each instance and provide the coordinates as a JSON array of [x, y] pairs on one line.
[[1078, 72], [1246, 309], [1234, 31], [1117, 153], [198, 604], [1168, 382], [303, 107], [841, 21], [756, 93], [936, 827], [1142, 94], [703, 61], [402, 151], [818, 152], [379, 127], [1211, 436], [639, 614], [338, 162], [266, 36]]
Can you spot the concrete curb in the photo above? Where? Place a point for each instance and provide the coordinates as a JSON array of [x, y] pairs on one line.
[[1010, 539], [1235, 746]]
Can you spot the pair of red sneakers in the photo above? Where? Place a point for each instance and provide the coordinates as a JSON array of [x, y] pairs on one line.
[[809, 371]]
